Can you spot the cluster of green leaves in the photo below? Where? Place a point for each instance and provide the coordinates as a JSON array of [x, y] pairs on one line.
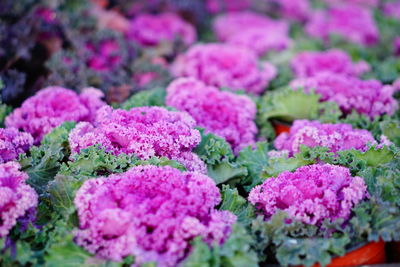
[[357, 161], [239, 249], [289, 105], [152, 97], [254, 160], [236, 251], [219, 157], [295, 243], [93, 162], [41, 163]]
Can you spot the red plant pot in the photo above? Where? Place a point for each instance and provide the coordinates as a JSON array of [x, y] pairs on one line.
[[281, 127], [101, 3], [370, 253]]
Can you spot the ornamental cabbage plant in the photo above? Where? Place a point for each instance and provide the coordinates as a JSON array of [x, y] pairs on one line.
[[225, 65], [13, 143], [310, 194], [335, 137], [225, 114], [352, 22], [103, 56], [144, 131], [52, 106], [309, 63], [252, 31], [16, 197], [392, 9], [151, 213], [151, 30], [369, 97]]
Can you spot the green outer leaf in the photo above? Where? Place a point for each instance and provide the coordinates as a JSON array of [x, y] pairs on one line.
[[375, 156], [93, 162], [296, 243], [201, 255], [255, 161], [67, 253], [309, 251], [225, 172], [232, 201], [42, 163], [237, 251], [391, 129], [219, 157], [288, 105], [278, 165], [213, 149], [153, 97]]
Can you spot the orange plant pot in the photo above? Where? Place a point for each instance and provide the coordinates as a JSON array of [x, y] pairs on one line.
[[371, 253], [281, 127]]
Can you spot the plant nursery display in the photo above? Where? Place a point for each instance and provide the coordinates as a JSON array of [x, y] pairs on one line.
[[215, 133]]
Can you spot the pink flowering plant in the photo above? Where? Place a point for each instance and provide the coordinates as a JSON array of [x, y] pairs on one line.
[[255, 32], [225, 114], [310, 194], [310, 63], [369, 97], [17, 197], [352, 22], [118, 215], [225, 65], [392, 9], [335, 137], [51, 107], [13, 143], [152, 30], [145, 132]]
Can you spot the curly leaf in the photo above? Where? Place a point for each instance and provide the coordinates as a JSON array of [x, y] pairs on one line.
[[213, 149], [65, 251], [218, 156], [232, 201], [376, 220], [289, 105], [95, 161], [153, 97], [43, 162], [309, 251], [236, 251], [391, 129], [373, 157], [255, 161]]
